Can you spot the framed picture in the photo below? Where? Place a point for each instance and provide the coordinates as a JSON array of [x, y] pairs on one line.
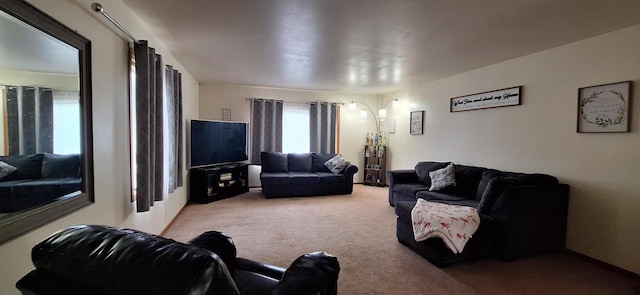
[[604, 108], [416, 122], [490, 99]]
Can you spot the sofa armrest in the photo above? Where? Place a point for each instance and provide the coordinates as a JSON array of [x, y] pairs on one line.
[[400, 176], [531, 219], [312, 273], [268, 270], [219, 243], [348, 172]]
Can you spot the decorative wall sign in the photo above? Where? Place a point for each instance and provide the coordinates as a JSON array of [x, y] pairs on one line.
[[491, 99], [416, 122], [226, 114], [604, 108]]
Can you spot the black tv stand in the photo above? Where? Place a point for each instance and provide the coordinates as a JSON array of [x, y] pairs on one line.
[[216, 182]]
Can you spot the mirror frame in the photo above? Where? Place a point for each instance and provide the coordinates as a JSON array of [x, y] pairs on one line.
[[19, 223]]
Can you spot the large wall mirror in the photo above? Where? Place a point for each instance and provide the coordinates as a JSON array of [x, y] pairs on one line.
[[46, 164]]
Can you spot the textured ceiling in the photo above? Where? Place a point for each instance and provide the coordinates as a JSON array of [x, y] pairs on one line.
[[373, 46]]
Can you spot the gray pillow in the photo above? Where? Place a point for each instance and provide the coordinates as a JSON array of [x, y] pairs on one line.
[[337, 164], [6, 169], [442, 179]]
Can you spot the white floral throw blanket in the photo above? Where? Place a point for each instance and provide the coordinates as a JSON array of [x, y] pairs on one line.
[[454, 224]]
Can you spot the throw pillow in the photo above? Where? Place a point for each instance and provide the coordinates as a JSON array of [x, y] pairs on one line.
[[6, 169], [337, 164], [423, 169], [442, 179]]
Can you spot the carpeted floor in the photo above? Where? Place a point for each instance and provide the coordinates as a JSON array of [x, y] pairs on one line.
[[360, 230]]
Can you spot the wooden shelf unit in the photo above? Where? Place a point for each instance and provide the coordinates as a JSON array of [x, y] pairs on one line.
[[212, 183], [375, 161]]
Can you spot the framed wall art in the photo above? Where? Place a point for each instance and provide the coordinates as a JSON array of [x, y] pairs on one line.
[[490, 99], [604, 108], [416, 123]]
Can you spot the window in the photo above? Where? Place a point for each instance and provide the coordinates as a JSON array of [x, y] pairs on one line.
[[295, 128], [66, 122]]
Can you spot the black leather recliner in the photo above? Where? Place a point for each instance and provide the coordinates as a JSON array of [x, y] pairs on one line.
[[94, 259]]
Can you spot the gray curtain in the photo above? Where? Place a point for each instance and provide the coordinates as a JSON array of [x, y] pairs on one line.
[[29, 120], [175, 126], [150, 118], [149, 133], [322, 124], [266, 127]]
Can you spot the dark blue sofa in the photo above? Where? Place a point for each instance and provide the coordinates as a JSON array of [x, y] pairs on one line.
[[521, 214], [39, 179], [290, 175]]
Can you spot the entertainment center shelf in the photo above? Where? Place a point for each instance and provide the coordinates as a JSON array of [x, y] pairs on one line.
[[216, 182]]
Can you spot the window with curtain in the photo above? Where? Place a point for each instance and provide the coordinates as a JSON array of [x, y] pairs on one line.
[[292, 127], [156, 127], [295, 128]]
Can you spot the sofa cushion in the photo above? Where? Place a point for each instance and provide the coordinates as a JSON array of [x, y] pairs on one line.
[[299, 162], [487, 175], [274, 162], [467, 180], [6, 169], [442, 179], [275, 178], [409, 189], [28, 166], [469, 203], [303, 177], [423, 169], [506, 179], [58, 166], [337, 164], [330, 177], [403, 210], [318, 160], [429, 196], [71, 184]]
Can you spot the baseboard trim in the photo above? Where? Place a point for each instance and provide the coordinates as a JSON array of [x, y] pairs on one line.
[[609, 266], [166, 228]]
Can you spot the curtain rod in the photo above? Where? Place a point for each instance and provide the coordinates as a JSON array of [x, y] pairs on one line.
[[97, 7], [280, 100]]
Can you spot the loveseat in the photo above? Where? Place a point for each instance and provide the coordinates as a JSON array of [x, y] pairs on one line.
[[521, 214], [305, 174], [96, 259], [38, 179]]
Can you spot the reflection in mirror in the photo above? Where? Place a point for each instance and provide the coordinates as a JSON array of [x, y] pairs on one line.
[[45, 147]]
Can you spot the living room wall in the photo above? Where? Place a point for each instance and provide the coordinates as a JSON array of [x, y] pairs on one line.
[[111, 133], [540, 136], [213, 98]]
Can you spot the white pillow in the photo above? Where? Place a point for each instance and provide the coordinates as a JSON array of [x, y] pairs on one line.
[[6, 169], [337, 164], [442, 178]]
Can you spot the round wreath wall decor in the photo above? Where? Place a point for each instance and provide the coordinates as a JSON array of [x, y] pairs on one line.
[[604, 108]]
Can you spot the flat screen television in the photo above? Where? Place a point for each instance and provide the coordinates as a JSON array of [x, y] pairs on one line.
[[217, 142]]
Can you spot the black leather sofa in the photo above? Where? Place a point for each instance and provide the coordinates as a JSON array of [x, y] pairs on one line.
[[39, 178], [521, 214], [92, 259], [288, 175]]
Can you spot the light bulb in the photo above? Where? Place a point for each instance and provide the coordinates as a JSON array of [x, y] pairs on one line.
[[352, 105], [363, 114], [395, 103], [382, 113]]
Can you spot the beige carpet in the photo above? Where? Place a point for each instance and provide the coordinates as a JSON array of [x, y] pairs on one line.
[[360, 230]]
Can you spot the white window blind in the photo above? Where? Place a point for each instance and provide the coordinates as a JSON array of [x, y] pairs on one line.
[[295, 128]]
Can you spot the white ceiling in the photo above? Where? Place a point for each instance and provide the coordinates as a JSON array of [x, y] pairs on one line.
[[26, 49], [366, 46]]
